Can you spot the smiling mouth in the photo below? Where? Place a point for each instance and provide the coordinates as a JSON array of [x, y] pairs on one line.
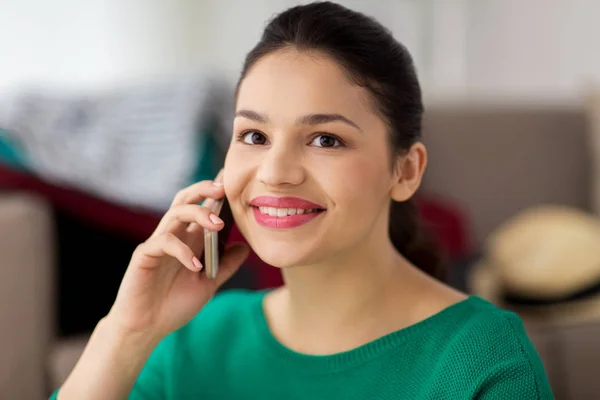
[[285, 217], [287, 212]]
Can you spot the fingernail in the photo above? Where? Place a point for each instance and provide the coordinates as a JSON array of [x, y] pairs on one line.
[[218, 183], [215, 220], [197, 263]]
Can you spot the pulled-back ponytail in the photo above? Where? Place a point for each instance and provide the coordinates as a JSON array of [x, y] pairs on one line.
[[412, 239]]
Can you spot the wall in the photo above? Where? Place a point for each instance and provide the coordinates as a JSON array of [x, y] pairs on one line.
[[235, 27], [534, 49], [92, 43], [514, 50], [101, 42]]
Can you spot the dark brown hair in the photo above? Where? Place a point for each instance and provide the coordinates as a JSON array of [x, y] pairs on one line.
[[373, 59]]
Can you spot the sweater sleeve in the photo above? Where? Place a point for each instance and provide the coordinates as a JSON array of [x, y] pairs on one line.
[[507, 365], [515, 380]]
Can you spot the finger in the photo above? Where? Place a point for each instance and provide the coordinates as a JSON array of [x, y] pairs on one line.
[[178, 218], [199, 191], [203, 191], [194, 229], [170, 245], [231, 261]]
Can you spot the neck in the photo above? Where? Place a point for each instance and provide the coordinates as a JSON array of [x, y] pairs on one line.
[[343, 299]]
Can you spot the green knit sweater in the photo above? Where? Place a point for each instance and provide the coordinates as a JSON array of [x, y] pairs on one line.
[[471, 350]]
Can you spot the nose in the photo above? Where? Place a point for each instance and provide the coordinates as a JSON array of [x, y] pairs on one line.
[[280, 166]]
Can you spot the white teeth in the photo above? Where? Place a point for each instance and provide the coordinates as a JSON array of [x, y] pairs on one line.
[[283, 212]]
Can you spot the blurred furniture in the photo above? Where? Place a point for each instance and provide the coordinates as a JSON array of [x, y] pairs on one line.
[[496, 160], [569, 351], [592, 108], [544, 264], [26, 294], [86, 228], [136, 144], [570, 355]]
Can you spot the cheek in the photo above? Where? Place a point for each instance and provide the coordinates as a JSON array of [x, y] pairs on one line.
[[360, 182], [238, 172], [233, 175]]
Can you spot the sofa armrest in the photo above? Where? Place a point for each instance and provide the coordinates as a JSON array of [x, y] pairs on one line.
[[26, 294]]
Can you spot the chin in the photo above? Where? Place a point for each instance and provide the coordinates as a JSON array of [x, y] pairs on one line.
[[283, 248], [282, 256]]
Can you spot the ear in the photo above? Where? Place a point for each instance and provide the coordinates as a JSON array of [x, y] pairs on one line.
[[408, 172]]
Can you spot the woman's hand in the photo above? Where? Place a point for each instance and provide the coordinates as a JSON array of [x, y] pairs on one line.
[[164, 287]]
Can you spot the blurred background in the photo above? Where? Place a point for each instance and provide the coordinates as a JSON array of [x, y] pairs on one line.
[[108, 107]]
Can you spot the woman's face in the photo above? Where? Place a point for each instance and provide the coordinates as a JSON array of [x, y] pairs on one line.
[[308, 171]]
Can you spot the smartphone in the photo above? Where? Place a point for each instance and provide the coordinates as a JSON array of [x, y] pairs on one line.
[[215, 241]]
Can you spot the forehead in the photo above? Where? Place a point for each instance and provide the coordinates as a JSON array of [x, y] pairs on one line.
[[292, 82]]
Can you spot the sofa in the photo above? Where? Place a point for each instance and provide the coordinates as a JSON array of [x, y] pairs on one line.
[[26, 295]]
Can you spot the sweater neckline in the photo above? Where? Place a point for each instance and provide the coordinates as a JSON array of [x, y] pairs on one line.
[[340, 361]]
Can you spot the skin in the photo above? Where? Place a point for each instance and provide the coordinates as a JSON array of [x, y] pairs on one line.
[[345, 284]]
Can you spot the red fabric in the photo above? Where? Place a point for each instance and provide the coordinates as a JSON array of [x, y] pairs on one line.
[[448, 224], [138, 224]]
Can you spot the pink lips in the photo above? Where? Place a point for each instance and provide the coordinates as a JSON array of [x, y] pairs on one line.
[[288, 221]]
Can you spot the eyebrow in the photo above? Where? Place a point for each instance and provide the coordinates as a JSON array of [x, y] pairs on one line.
[[310, 119], [316, 119], [253, 115]]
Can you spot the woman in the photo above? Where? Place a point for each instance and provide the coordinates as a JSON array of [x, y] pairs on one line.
[[325, 153]]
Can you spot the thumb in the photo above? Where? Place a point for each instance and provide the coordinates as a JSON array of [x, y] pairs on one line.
[[234, 255]]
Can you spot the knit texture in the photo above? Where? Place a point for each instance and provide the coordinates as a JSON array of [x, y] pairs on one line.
[[471, 350]]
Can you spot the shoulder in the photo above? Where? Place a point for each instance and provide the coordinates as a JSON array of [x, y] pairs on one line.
[[228, 313], [200, 344], [484, 326], [491, 345], [487, 331]]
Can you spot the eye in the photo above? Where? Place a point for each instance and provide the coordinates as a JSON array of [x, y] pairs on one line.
[[253, 137], [326, 141]]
